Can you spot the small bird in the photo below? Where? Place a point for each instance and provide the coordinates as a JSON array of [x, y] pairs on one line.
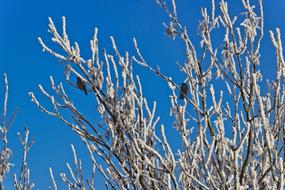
[[183, 90], [81, 85]]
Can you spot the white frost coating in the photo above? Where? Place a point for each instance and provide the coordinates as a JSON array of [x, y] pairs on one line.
[[229, 139]]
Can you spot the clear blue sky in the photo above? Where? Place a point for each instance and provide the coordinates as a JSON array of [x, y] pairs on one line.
[[21, 22]]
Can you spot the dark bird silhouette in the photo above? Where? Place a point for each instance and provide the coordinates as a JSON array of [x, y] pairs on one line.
[[183, 90], [81, 85]]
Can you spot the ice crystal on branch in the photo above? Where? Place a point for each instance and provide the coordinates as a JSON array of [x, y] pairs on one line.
[[238, 139]]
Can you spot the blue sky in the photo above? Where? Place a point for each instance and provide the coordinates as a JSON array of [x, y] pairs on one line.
[[21, 57]]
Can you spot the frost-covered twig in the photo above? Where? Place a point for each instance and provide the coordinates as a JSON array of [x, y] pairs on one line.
[[22, 182], [5, 153]]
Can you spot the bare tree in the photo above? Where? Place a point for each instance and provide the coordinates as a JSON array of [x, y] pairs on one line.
[[23, 182], [6, 152], [125, 136]]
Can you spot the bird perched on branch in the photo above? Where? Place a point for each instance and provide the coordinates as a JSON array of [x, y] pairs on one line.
[[81, 85], [183, 90]]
